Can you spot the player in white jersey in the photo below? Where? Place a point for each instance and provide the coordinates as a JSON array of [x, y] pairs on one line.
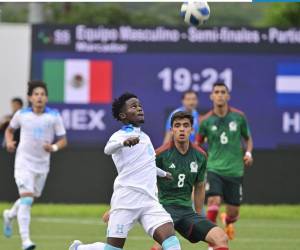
[[134, 197], [39, 125]]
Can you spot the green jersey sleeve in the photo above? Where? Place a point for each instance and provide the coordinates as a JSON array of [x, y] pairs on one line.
[[245, 130], [201, 171], [202, 129]]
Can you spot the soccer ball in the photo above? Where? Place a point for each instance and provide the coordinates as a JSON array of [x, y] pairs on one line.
[[195, 13]]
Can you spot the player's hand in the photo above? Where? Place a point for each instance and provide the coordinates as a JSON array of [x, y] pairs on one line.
[[48, 147], [105, 217], [169, 176], [131, 141], [248, 161], [11, 146]]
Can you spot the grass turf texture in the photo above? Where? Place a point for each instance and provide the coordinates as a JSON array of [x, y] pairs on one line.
[[55, 226]]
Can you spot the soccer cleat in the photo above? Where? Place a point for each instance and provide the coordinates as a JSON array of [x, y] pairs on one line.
[[7, 224], [28, 245], [229, 230], [210, 248], [75, 245]]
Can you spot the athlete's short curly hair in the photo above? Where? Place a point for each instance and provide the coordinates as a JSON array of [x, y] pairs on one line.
[[119, 103]]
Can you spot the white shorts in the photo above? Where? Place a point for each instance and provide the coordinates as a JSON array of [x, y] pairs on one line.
[[30, 182], [150, 214]]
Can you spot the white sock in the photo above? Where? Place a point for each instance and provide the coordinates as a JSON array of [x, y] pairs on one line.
[[94, 246], [24, 221], [14, 209]]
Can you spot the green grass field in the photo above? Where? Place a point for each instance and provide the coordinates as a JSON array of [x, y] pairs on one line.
[[55, 226]]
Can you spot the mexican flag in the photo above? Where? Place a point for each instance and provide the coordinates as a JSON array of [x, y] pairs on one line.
[[78, 81]]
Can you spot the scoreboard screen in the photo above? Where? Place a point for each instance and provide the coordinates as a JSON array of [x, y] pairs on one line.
[[86, 67]]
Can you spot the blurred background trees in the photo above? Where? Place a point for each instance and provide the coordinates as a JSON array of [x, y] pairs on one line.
[[163, 13]]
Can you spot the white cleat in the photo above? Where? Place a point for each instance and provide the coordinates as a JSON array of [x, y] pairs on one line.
[[7, 224], [28, 245], [210, 248], [75, 245]]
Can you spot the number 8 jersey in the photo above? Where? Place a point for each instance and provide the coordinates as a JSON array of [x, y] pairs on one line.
[[224, 138], [186, 170]]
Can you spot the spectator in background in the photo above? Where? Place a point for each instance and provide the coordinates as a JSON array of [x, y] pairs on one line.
[[16, 104], [189, 104]]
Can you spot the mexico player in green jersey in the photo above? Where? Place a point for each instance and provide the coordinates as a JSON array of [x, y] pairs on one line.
[[187, 164], [224, 128]]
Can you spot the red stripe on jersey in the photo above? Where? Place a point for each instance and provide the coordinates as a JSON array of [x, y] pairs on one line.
[[163, 148], [199, 139], [236, 111], [207, 115], [199, 149]]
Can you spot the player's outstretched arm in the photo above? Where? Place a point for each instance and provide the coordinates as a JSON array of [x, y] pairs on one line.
[[113, 145], [163, 174], [9, 138]]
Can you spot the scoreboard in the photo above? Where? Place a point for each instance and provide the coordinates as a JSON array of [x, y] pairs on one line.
[[86, 67]]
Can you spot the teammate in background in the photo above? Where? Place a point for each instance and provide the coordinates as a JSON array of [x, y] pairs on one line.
[[134, 196], [39, 126], [224, 128], [187, 164], [16, 103], [189, 103]]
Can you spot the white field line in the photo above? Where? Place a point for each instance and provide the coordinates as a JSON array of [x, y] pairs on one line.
[[144, 238], [70, 221], [279, 225]]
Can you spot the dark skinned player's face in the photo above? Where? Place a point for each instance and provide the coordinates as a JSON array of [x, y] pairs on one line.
[[133, 112]]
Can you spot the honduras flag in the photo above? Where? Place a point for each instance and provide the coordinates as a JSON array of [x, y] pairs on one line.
[[288, 85]]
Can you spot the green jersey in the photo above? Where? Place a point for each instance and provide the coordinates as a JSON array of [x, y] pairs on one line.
[[186, 170], [224, 138]]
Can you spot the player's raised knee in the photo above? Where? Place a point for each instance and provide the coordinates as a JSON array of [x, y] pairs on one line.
[[217, 237], [221, 238]]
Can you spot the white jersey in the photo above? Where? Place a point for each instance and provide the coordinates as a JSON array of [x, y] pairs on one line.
[[36, 130], [135, 165]]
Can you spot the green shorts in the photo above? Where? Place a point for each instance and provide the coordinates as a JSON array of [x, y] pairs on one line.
[[230, 188], [190, 225]]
